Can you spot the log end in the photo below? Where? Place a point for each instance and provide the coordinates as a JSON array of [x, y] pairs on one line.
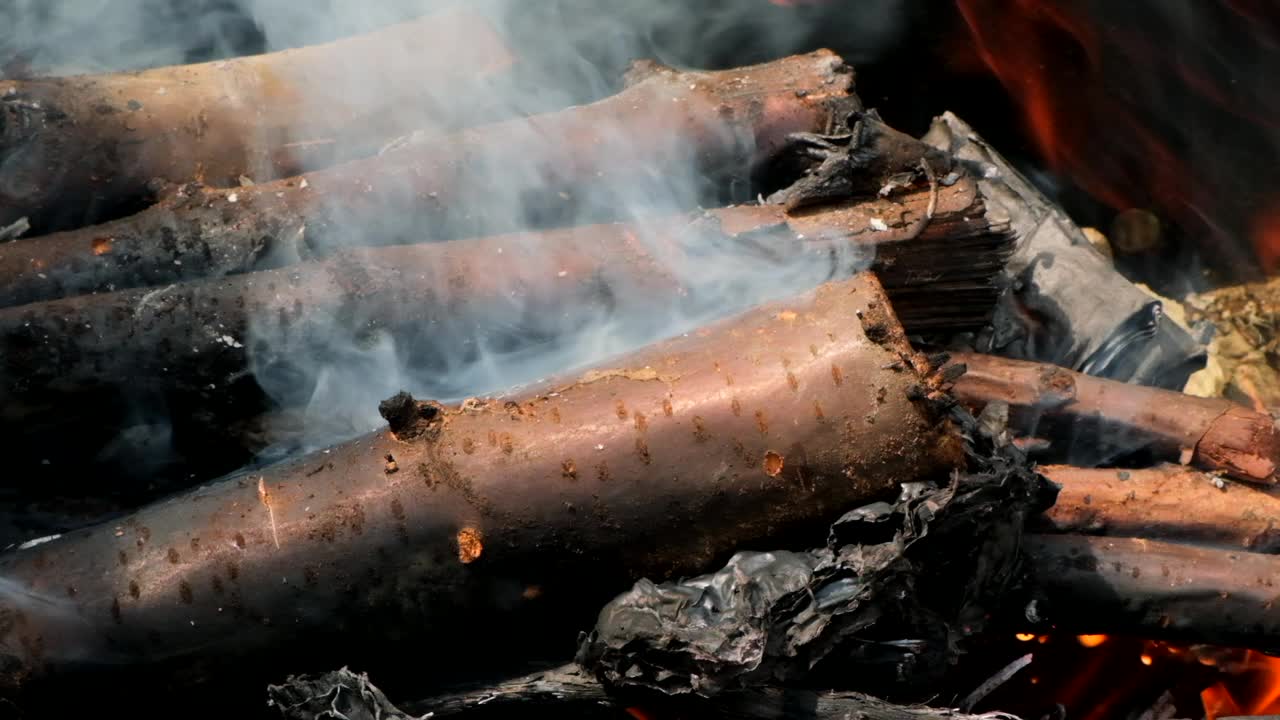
[[1243, 443]]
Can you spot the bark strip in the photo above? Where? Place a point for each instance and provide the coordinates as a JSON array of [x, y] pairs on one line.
[[201, 346], [95, 142], [1169, 503], [535, 507], [504, 176], [1156, 589], [1209, 433]]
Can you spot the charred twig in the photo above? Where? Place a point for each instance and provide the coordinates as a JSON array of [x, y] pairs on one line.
[[458, 520], [97, 141], [551, 165], [1155, 589], [1210, 433], [199, 345], [1165, 503], [567, 689]]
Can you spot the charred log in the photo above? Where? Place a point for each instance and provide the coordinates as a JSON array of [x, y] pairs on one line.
[[1209, 433], [203, 351], [1169, 503], [95, 142], [1155, 589], [567, 690], [538, 170], [530, 509]]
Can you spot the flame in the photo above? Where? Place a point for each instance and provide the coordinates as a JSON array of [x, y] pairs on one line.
[[1258, 678], [1116, 103]]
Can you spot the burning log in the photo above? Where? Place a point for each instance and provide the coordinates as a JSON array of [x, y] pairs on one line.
[[530, 508], [664, 122], [201, 344], [98, 141], [1155, 589], [1166, 503], [1209, 433]]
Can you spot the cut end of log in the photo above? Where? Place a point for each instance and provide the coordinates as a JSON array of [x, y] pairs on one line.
[[1242, 442]]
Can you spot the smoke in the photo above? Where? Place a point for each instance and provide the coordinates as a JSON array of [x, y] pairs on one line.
[[569, 52]]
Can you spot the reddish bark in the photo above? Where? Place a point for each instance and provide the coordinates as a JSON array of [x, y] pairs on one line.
[[94, 142], [478, 180], [1209, 433]]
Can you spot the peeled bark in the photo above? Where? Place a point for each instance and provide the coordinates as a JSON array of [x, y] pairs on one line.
[[1169, 503], [1155, 589], [73, 149], [535, 507], [1209, 433], [202, 347], [504, 176]]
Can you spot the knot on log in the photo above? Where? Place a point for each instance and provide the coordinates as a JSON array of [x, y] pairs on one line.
[[410, 418]]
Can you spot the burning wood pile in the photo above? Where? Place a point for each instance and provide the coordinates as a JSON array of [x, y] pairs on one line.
[[808, 481]]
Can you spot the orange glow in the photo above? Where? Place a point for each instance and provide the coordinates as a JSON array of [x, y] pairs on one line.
[[639, 714], [1254, 691], [1091, 641], [1146, 659], [1070, 74], [1025, 637]]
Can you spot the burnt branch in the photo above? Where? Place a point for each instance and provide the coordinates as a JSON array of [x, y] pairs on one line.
[[1154, 589]]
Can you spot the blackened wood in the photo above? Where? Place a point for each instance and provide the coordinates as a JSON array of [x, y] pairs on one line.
[[1147, 588]]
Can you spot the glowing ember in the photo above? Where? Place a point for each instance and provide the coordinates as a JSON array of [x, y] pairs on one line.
[[1091, 641], [1025, 637]]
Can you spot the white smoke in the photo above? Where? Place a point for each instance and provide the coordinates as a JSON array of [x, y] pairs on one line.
[[569, 52]]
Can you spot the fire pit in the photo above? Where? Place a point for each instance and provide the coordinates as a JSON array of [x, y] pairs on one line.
[[621, 359]]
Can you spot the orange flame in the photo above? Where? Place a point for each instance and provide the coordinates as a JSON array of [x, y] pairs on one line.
[[1080, 83], [1258, 694]]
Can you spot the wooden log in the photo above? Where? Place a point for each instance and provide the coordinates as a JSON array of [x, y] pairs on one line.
[[196, 350], [495, 178], [533, 508], [1169, 502], [1146, 588], [1209, 433], [73, 150]]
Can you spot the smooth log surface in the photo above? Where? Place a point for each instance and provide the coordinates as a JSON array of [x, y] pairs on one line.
[[1209, 433], [1168, 502], [206, 352], [535, 507], [73, 149], [494, 178]]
